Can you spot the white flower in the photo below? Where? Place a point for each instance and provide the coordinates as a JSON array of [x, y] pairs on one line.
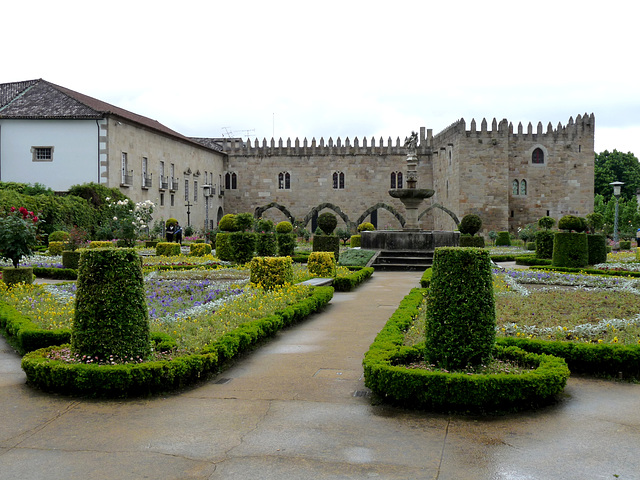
[[107, 199], [115, 218]]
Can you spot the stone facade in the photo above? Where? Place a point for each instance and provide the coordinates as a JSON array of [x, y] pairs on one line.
[[472, 171]]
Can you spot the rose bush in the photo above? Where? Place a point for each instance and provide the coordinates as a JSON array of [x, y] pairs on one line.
[[18, 229]]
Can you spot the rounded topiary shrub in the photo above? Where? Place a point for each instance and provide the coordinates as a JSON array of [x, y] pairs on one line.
[[597, 245], [327, 222], [570, 250], [470, 224], [244, 222], [56, 248], [366, 227], [286, 243], [58, 236], [228, 223], [355, 241], [284, 227], [264, 226], [572, 223], [199, 249], [460, 313], [544, 243], [111, 317], [546, 222], [503, 239]]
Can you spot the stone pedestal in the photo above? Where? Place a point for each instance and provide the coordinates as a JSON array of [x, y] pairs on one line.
[[408, 240]]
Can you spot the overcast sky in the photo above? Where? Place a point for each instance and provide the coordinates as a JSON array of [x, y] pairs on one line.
[[338, 68]]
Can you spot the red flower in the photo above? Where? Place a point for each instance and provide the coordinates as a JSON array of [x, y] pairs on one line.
[[13, 209], [35, 219]]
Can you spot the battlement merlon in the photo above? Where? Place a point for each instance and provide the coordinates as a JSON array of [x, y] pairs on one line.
[[364, 146]]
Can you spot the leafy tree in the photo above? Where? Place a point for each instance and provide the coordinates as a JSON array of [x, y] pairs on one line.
[[616, 166]]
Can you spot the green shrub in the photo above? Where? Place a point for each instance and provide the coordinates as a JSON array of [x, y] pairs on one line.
[[12, 275], [56, 248], [243, 246], [70, 259], [570, 250], [597, 246], [327, 243], [531, 246], [544, 243], [425, 280], [100, 244], [503, 239], [264, 226], [595, 222], [546, 222], [327, 222], [366, 227], [286, 243], [322, 264], [470, 224], [244, 222], [531, 260], [170, 222], [350, 282], [284, 227], [356, 257], [223, 247], [111, 316], [625, 244], [461, 318], [167, 249], [467, 240], [572, 223], [355, 241], [58, 236], [270, 272], [199, 249], [228, 223], [266, 244]]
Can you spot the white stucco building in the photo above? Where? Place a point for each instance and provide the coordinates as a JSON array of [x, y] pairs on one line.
[[59, 138]]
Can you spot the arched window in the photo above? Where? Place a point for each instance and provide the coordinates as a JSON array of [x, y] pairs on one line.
[[284, 181], [523, 187], [537, 156], [515, 187], [396, 179], [231, 181], [338, 180]]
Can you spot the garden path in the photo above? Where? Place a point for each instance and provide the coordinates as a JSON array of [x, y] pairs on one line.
[[297, 408]]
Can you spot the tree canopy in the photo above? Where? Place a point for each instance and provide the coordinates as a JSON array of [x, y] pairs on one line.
[[616, 166]]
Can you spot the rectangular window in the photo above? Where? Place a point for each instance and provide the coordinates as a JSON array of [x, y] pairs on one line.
[[145, 175], [195, 190], [42, 154], [173, 198], [126, 175], [162, 199], [186, 190]]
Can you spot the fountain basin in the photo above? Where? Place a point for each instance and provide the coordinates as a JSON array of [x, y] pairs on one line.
[[408, 240]]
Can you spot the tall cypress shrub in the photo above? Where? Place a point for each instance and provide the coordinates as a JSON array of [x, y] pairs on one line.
[[111, 317], [461, 318]]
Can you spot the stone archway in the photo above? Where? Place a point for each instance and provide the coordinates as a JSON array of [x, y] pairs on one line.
[[260, 210], [453, 216], [383, 206], [330, 206]]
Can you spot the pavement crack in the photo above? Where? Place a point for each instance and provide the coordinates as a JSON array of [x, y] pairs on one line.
[[30, 433], [444, 444]]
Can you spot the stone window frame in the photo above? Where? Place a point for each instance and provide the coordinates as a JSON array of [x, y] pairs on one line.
[[396, 180], [42, 153], [230, 180], [284, 180], [338, 180], [195, 191], [532, 152], [519, 187]]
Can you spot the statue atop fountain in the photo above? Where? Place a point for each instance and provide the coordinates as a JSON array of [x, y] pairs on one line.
[[411, 197]]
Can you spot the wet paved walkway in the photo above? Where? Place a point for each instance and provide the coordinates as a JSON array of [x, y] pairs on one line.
[[297, 409]]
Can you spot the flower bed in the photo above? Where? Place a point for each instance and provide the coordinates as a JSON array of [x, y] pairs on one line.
[[387, 375]]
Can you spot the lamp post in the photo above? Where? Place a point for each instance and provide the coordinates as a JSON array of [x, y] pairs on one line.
[[616, 193]]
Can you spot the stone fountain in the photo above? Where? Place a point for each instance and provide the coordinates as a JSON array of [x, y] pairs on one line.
[[395, 245]]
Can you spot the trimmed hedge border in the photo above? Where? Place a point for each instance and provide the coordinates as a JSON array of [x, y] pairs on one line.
[[592, 271], [598, 359], [425, 280], [56, 273], [423, 389], [162, 376], [351, 281]]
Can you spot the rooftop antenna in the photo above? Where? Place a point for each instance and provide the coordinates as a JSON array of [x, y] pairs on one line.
[[228, 133]]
